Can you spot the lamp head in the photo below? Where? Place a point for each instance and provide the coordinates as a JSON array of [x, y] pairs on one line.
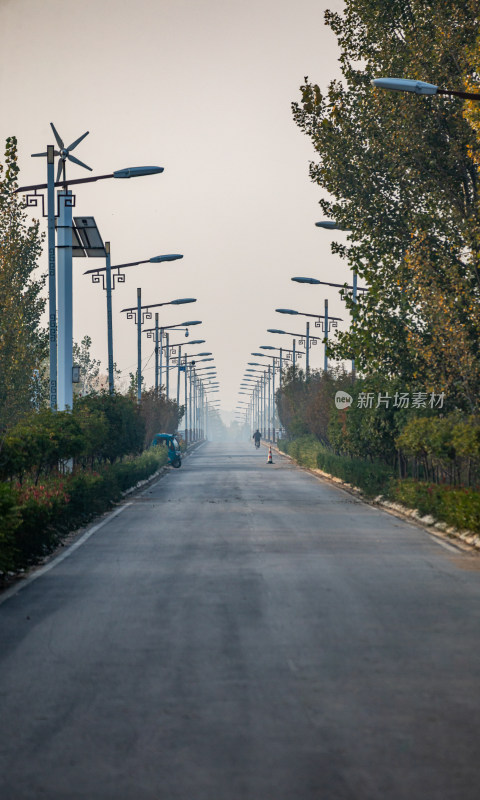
[[136, 172], [182, 301], [306, 280], [168, 257], [405, 85], [328, 224]]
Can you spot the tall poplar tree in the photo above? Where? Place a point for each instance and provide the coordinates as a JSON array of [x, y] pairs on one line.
[[23, 343], [402, 177]]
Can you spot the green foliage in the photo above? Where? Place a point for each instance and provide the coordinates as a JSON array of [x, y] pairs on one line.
[[459, 507], [370, 432], [34, 517], [100, 428], [123, 429], [305, 405], [9, 521], [448, 448], [401, 173], [89, 367], [38, 443], [23, 344], [159, 414], [308, 407], [372, 477]]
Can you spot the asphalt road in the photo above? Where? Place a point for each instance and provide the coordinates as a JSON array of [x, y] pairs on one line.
[[244, 632]]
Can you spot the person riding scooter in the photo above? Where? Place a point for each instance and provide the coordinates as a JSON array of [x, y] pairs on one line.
[[257, 436]]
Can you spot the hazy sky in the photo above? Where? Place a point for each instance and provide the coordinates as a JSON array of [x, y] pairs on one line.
[[202, 88]]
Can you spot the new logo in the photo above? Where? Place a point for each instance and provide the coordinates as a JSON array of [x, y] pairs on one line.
[[343, 400]]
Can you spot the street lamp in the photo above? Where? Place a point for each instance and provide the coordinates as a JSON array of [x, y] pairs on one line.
[[140, 316], [156, 331], [418, 87], [327, 323], [60, 389], [294, 351], [109, 285], [274, 404], [329, 225]]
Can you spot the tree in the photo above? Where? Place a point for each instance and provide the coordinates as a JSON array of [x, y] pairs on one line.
[[401, 174], [89, 367], [23, 342], [159, 414]]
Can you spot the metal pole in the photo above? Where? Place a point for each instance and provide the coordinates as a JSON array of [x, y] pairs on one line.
[[264, 382], [52, 286], [161, 359], [167, 365], [190, 415], [307, 363], [281, 365], [108, 272], [294, 356], [195, 396], [269, 404], [179, 360], [274, 399], [186, 399], [65, 304], [325, 325], [156, 355], [139, 344]]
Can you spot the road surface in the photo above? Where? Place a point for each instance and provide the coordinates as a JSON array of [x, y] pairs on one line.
[[244, 632]]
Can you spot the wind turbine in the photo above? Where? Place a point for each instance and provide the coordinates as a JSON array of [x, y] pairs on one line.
[[65, 153]]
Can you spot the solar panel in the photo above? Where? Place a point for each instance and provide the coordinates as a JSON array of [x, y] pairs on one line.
[[87, 235]]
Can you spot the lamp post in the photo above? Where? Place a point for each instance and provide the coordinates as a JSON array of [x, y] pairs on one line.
[[307, 335], [271, 394], [108, 282], [274, 398], [61, 339], [284, 352], [262, 391], [326, 324], [156, 331], [419, 87], [189, 411], [140, 315]]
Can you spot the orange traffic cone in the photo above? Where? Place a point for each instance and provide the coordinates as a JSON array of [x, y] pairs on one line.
[[270, 459]]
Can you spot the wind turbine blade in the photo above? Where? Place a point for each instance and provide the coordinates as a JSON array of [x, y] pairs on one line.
[[35, 155], [77, 141], [77, 161], [59, 170], [57, 137]]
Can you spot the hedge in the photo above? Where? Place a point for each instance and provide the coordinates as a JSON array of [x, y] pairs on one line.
[[372, 477], [459, 507], [34, 517]]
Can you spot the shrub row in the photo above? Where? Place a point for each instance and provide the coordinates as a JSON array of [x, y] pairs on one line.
[[371, 476], [34, 517], [459, 507], [100, 428]]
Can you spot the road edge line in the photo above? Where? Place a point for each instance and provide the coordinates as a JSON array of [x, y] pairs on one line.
[[13, 590]]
